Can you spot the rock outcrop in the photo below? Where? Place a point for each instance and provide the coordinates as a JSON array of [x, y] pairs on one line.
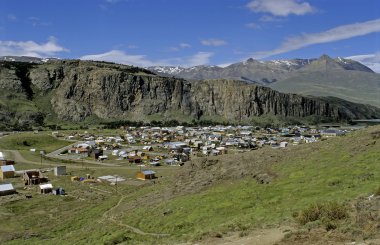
[[80, 89]]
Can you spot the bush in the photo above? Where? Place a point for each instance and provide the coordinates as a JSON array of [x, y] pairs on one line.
[[377, 192], [327, 212]]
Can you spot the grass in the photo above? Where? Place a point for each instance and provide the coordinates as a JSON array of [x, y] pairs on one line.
[[27, 141], [314, 175], [304, 179]]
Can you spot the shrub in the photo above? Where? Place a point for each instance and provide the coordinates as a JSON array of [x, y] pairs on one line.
[[330, 211], [377, 192]]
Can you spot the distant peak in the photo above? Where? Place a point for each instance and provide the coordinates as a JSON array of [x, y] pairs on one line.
[[325, 57], [250, 60]]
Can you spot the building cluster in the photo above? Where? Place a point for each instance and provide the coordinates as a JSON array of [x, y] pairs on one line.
[[176, 145], [33, 177]]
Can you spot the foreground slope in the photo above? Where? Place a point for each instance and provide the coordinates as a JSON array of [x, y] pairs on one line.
[[212, 197], [262, 188], [72, 90]]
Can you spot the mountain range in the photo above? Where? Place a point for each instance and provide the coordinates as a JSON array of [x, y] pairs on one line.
[[343, 78], [36, 93]]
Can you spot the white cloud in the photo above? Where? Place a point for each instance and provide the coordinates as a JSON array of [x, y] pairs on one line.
[[253, 25], [213, 42], [35, 21], [31, 48], [112, 1], [280, 7], [332, 35], [180, 46], [200, 58], [370, 60], [185, 45], [11, 17], [269, 18], [121, 57]]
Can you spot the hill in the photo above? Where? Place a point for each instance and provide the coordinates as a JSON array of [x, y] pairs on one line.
[[253, 71], [326, 77], [342, 78], [75, 91], [214, 198]]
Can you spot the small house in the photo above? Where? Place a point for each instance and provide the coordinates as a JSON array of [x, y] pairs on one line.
[[135, 159], [102, 158], [60, 170], [147, 148], [33, 177], [7, 171], [7, 189], [98, 153], [6, 162], [82, 151], [146, 174], [46, 188]]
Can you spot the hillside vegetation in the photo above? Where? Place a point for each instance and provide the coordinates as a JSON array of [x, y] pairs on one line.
[[27, 141], [212, 197]]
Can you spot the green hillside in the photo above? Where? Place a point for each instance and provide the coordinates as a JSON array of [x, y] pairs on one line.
[[210, 197]]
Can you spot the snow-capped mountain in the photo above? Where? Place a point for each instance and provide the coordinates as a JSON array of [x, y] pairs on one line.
[[256, 71]]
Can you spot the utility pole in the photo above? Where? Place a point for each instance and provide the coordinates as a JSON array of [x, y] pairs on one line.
[[116, 183], [42, 153]]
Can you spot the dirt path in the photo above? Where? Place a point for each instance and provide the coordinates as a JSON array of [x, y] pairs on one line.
[[56, 155], [262, 236], [107, 216], [17, 157]]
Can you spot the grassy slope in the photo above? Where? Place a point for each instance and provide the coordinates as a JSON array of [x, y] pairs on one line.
[[26, 141], [334, 170], [338, 169]]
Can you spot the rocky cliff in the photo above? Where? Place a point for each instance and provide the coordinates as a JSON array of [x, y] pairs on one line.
[[80, 89]]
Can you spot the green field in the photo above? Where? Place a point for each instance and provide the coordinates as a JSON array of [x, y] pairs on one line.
[[27, 141]]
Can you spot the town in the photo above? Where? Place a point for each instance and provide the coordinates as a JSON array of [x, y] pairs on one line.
[[144, 151]]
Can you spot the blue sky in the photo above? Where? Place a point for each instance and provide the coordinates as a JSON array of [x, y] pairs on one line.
[[191, 32]]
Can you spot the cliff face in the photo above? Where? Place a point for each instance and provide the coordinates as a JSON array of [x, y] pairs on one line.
[[239, 101], [81, 89]]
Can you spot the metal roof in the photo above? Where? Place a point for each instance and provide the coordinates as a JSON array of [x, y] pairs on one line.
[[7, 168], [146, 172], [46, 186], [6, 187]]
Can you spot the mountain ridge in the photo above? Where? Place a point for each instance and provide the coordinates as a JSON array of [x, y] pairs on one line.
[[74, 90], [279, 65], [325, 76]]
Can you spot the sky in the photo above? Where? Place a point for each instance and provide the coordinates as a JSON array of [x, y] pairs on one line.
[[191, 32]]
